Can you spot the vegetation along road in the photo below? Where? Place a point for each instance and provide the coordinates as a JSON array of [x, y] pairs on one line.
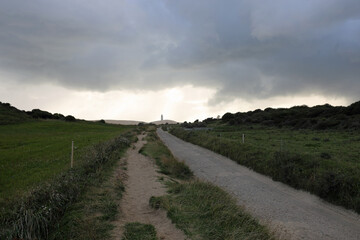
[[291, 213]]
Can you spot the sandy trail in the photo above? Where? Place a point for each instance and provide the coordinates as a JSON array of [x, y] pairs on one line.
[[294, 214], [142, 183]]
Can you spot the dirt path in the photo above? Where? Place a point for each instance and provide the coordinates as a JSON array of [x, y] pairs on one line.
[[294, 214], [142, 183]]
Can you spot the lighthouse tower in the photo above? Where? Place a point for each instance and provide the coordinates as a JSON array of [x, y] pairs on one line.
[[162, 117]]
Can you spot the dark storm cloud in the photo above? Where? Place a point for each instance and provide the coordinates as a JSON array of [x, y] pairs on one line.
[[245, 49]]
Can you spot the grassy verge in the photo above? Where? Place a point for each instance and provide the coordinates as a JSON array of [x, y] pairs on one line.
[[204, 211], [34, 152], [139, 231], [167, 163], [91, 217], [36, 215], [324, 163]]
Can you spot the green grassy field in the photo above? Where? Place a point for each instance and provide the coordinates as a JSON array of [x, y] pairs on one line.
[[33, 152], [341, 146], [324, 162]]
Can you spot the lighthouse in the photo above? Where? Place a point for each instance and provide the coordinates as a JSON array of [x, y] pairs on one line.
[[162, 117]]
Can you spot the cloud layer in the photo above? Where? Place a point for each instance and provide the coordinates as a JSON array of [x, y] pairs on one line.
[[253, 49]]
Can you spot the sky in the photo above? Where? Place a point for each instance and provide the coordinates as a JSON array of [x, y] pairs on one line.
[[187, 60]]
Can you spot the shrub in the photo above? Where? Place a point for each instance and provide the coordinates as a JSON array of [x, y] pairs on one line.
[[354, 108], [59, 116], [70, 118], [320, 117], [325, 155], [287, 168], [37, 113]]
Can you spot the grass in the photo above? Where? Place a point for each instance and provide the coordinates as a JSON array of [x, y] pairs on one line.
[[91, 217], [343, 146], [33, 152], [167, 163], [325, 163], [204, 211], [36, 214], [139, 231]]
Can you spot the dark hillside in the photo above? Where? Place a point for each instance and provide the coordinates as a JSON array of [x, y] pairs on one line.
[[10, 114], [319, 117]]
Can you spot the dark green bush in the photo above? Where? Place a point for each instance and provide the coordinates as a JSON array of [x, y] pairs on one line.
[[70, 118], [59, 116], [325, 155], [37, 113], [287, 168], [321, 117]]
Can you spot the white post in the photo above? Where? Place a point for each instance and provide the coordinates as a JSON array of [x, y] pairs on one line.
[[72, 154], [243, 138]]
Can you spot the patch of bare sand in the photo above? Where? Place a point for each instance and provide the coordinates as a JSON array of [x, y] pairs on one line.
[[142, 183]]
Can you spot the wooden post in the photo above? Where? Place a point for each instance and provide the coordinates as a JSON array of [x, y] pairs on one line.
[[72, 154], [243, 138]]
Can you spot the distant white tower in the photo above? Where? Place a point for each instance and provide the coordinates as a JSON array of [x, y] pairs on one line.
[[162, 117]]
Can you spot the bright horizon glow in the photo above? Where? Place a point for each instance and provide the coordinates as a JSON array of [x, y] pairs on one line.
[[186, 103]]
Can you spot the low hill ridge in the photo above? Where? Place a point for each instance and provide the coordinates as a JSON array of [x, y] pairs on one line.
[[320, 117], [11, 115]]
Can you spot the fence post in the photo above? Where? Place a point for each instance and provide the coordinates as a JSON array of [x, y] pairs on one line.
[[243, 138], [72, 154]]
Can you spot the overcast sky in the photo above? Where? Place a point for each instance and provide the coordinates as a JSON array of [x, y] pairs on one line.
[[137, 59]]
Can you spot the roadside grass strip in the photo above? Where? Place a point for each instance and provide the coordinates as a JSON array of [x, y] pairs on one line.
[[139, 231], [167, 163], [204, 211]]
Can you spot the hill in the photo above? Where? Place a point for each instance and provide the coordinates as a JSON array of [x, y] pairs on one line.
[[319, 117], [164, 122], [123, 122], [10, 114], [132, 122]]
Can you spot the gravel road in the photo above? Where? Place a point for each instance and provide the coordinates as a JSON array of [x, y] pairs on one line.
[[293, 214]]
